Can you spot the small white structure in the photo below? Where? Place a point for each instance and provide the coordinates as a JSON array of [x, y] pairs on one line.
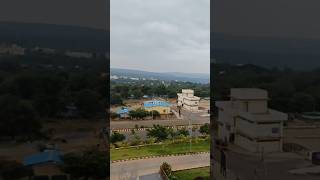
[[247, 121], [187, 100]]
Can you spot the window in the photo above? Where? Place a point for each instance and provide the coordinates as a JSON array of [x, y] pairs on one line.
[[275, 130]]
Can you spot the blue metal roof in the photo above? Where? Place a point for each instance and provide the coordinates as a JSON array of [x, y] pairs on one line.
[[47, 156], [155, 103], [123, 110]]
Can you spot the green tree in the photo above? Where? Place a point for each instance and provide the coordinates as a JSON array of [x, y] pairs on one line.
[[136, 140], [137, 93], [116, 99], [88, 164], [18, 117], [139, 113], [88, 103], [302, 102], [183, 131], [159, 132], [12, 170], [117, 137], [204, 129], [161, 90]]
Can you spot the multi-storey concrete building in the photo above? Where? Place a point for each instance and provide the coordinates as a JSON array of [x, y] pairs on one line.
[[187, 100], [247, 121]]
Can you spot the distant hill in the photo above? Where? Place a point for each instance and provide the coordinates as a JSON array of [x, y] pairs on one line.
[[54, 36], [166, 76], [299, 53]]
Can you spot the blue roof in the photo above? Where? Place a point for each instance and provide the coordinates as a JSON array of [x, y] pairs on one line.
[[47, 156], [123, 110], [154, 103]]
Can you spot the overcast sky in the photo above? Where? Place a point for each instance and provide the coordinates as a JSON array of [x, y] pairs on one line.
[[87, 13], [268, 18], [161, 35]]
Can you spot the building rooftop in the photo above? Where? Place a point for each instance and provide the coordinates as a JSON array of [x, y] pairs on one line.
[[48, 156], [187, 91], [123, 110], [249, 94], [155, 103], [271, 115]]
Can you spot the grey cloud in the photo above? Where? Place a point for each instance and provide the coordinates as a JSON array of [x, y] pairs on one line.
[[161, 35]]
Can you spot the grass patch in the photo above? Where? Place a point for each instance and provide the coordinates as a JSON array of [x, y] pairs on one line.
[[191, 174], [160, 149]]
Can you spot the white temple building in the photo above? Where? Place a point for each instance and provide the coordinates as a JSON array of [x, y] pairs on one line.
[[187, 100], [247, 121]]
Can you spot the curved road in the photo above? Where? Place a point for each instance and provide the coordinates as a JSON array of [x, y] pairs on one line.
[[133, 169]]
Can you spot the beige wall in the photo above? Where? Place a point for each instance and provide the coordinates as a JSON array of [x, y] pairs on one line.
[[160, 109]]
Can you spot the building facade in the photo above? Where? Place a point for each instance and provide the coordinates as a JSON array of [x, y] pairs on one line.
[[247, 121], [187, 100], [162, 107]]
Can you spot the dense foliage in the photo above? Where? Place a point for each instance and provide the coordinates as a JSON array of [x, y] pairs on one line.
[[11, 170], [91, 163], [161, 133], [117, 137], [37, 86], [137, 89], [204, 129], [289, 90]]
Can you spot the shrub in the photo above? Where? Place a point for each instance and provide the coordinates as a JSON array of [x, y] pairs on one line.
[[117, 137], [159, 132], [114, 115], [183, 132], [204, 129], [166, 168], [136, 140]]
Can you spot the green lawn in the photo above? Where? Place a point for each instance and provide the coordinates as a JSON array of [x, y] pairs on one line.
[[190, 174], [160, 149]]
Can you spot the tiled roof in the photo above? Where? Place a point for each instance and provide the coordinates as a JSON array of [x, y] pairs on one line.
[[123, 110], [155, 103], [43, 157]]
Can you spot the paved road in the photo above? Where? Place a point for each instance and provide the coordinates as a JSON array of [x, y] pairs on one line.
[[134, 169], [155, 176], [275, 168], [195, 117]]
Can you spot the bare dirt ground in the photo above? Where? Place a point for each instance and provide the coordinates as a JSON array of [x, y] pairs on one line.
[[204, 104], [79, 134], [307, 137]]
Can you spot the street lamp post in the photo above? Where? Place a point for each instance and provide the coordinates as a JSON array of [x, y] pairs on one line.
[[190, 132]]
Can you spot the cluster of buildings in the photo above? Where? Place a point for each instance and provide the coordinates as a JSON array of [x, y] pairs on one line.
[[12, 50], [246, 121], [186, 100], [163, 107], [15, 49]]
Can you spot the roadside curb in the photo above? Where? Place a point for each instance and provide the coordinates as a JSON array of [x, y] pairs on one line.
[[144, 129], [158, 156]]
